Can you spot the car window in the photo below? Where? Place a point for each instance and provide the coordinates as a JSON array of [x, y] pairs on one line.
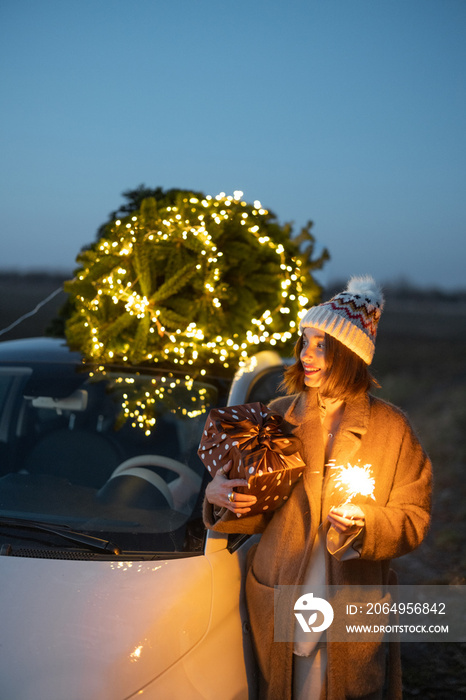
[[115, 455], [267, 386], [5, 384]]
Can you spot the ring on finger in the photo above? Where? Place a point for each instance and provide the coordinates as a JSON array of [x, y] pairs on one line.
[[231, 496]]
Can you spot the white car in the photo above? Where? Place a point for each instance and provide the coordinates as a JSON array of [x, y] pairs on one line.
[[111, 588]]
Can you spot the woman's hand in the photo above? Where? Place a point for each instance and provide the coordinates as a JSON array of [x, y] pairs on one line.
[[220, 492], [347, 519]]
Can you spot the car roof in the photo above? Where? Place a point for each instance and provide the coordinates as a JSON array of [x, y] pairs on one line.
[[52, 358], [38, 350]]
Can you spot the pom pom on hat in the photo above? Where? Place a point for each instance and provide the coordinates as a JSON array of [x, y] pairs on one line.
[[366, 287], [352, 316]]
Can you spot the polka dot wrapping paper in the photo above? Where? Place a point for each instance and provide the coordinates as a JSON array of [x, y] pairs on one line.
[[252, 436]]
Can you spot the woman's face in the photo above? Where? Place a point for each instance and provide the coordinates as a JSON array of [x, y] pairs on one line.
[[312, 357]]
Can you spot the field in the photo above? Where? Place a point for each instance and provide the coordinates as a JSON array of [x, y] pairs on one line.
[[420, 363]]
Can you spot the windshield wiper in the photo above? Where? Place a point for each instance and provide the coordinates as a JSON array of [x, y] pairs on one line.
[[63, 531]]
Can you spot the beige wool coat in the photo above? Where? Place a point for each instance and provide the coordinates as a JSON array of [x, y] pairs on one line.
[[396, 522]]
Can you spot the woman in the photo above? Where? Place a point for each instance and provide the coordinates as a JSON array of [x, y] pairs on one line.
[[312, 538]]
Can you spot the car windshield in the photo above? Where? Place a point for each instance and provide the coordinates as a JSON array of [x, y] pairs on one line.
[[107, 451]]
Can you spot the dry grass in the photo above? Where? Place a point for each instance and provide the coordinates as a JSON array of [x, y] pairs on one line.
[[421, 366]]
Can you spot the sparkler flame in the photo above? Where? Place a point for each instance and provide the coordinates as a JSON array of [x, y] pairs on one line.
[[355, 480]]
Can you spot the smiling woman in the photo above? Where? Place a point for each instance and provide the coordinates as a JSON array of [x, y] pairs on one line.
[[312, 357], [343, 375], [318, 536]]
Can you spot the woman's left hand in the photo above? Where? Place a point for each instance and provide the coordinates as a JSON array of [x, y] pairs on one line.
[[347, 519]]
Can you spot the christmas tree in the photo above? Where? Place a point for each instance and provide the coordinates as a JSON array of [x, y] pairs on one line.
[[191, 281]]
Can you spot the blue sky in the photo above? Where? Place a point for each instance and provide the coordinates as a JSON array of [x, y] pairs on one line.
[[351, 113]]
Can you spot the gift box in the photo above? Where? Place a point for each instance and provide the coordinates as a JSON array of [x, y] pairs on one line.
[[253, 437]]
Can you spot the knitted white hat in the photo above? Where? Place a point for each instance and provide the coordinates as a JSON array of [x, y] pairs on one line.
[[351, 316]]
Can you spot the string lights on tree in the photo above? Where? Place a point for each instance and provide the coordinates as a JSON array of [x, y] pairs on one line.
[[194, 282]]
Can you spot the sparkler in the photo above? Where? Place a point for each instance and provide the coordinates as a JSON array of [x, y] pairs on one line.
[[355, 480]]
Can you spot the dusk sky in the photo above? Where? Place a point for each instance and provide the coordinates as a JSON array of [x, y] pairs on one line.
[[351, 113]]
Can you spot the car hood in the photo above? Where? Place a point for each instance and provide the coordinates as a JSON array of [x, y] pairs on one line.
[[79, 629]]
